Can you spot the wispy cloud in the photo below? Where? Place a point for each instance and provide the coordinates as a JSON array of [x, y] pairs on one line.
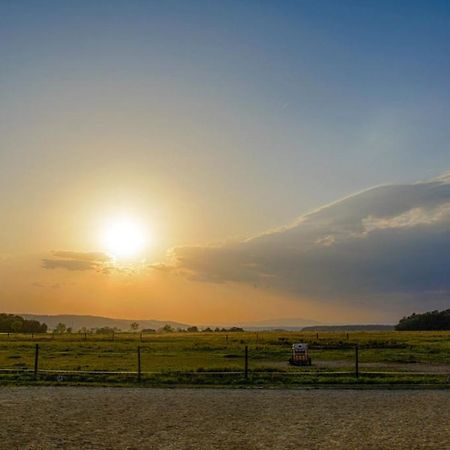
[[83, 256], [77, 261]]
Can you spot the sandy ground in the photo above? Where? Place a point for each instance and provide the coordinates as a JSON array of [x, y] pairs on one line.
[[122, 418]]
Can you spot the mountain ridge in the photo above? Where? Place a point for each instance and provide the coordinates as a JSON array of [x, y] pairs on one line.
[[77, 321]]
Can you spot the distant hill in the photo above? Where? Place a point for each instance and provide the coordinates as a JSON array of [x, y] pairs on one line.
[[350, 328], [282, 323], [77, 322]]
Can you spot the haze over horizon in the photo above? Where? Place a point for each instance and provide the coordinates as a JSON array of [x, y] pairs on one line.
[[208, 162]]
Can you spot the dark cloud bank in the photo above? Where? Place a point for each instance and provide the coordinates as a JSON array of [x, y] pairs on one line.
[[389, 245]]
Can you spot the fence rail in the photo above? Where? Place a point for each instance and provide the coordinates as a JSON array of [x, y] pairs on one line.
[[208, 372]]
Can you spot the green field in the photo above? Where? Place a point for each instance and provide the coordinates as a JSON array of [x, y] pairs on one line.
[[218, 358]]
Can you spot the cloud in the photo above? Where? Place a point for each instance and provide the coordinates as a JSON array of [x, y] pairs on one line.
[[77, 261], [388, 244], [162, 267], [83, 256], [68, 264], [40, 285]]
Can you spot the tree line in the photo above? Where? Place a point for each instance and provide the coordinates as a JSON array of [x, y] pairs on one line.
[[432, 320], [12, 323], [61, 328]]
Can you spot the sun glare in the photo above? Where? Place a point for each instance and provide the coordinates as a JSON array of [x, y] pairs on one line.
[[124, 238]]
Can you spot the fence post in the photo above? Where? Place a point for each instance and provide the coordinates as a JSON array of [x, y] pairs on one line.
[[246, 362], [36, 361], [139, 363], [357, 360]]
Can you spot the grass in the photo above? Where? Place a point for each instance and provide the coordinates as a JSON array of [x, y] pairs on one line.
[[195, 358]]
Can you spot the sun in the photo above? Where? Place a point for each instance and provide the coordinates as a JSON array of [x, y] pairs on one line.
[[124, 238]]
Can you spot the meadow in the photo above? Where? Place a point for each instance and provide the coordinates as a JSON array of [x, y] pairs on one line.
[[217, 358]]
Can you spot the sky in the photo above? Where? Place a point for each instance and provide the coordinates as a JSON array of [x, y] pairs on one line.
[[283, 159]]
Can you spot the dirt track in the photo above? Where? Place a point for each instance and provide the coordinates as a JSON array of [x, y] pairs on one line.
[[115, 418]]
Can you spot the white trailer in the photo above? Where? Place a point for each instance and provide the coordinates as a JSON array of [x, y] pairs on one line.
[[300, 355]]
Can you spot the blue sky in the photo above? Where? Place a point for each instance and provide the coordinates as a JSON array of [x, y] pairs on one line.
[[352, 93]]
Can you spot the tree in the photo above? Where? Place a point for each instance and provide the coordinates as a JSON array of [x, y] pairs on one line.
[[60, 328], [433, 320], [33, 326], [10, 323], [134, 326], [16, 326], [105, 330], [193, 329], [167, 328]]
